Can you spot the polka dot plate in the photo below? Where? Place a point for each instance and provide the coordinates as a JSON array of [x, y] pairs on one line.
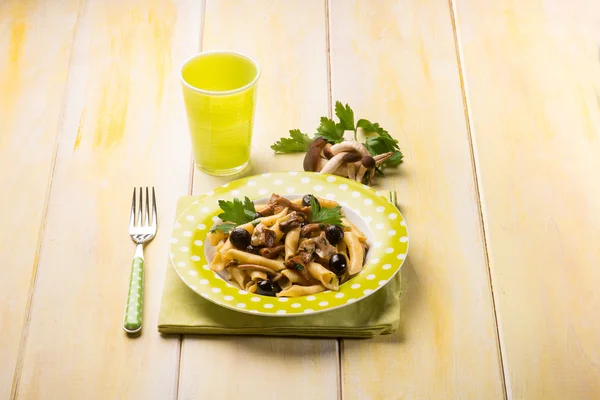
[[378, 219]]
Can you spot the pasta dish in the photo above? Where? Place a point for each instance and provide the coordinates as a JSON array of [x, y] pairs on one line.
[[287, 248]]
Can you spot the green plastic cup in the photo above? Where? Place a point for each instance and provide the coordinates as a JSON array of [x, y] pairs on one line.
[[219, 91]]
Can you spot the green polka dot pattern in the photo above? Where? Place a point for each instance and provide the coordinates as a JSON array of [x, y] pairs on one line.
[[133, 311], [387, 232]]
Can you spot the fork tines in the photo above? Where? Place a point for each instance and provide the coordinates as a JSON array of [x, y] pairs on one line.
[[141, 216]]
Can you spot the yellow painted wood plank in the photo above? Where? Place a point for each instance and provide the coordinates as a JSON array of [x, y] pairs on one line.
[[35, 45], [533, 84], [288, 39], [395, 63], [124, 125]]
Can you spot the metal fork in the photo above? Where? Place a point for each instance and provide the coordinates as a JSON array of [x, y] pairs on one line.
[[142, 230]]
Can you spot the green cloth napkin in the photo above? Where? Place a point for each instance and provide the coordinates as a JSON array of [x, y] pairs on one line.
[[183, 311]]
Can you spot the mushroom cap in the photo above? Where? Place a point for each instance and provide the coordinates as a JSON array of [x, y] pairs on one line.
[[327, 151], [313, 155], [368, 162], [352, 157]]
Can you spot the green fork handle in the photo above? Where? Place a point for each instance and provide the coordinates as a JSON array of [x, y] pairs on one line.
[[133, 310]]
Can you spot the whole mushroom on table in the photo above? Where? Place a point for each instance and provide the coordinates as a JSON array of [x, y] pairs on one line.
[[349, 159], [330, 151]]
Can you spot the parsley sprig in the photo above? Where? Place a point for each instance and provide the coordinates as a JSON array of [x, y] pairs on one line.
[[378, 140], [235, 213], [324, 215]]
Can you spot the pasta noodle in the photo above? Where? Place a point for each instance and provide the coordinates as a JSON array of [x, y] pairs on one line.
[[215, 237], [297, 290], [239, 277], [291, 243], [249, 258], [356, 253], [258, 275], [341, 247], [290, 251], [217, 263], [324, 202], [354, 230], [270, 220], [327, 203], [224, 249], [276, 227], [294, 277], [323, 275]]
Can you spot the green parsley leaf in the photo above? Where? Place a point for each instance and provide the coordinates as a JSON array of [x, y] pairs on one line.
[[324, 215], [383, 142], [299, 267], [298, 142], [330, 131], [346, 116], [394, 160], [236, 211], [366, 125], [225, 227]]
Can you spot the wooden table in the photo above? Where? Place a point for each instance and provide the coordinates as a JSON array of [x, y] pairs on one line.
[[496, 105]]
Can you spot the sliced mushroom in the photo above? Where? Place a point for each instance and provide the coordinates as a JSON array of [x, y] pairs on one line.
[[306, 246], [299, 264], [324, 249], [312, 158], [351, 171], [272, 252], [295, 220], [262, 236], [282, 201], [338, 159], [309, 229]]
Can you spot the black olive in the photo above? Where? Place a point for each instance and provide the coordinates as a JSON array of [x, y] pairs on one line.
[[334, 234], [240, 238], [267, 288], [258, 215], [252, 249], [338, 264], [306, 200]]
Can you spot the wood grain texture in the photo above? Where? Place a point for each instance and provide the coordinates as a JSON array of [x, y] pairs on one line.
[[36, 38], [395, 63], [288, 39], [124, 126], [532, 75]]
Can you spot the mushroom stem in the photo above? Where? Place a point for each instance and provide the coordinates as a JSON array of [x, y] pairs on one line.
[[327, 151], [381, 158], [342, 170], [371, 175], [367, 163], [349, 145], [351, 171], [361, 173], [337, 160]]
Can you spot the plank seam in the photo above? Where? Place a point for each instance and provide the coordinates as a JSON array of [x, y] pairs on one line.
[[338, 341], [42, 230], [328, 49], [469, 123], [190, 191]]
